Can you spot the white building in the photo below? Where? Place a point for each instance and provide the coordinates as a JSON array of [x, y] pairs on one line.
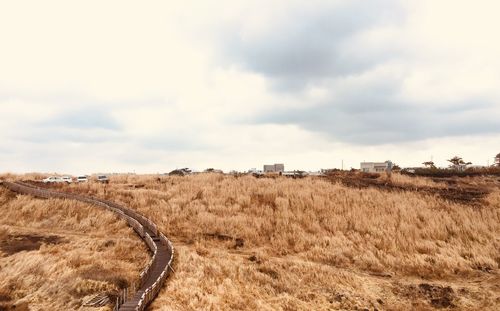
[[255, 171], [376, 167]]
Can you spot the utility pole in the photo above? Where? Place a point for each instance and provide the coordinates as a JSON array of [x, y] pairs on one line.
[[342, 164]]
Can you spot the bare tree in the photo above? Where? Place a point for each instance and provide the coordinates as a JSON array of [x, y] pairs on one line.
[[458, 162], [429, 164]]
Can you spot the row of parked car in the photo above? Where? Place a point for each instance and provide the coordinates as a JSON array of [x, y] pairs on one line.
[[78, 179]]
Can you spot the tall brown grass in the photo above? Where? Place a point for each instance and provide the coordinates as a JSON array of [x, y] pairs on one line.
[[96, 253], [280, 244], [308, 241], [416, 181]]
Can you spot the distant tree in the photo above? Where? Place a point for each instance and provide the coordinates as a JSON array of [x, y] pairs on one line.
[[180, 172], [213, 170], [456, 160], [177, 172], [396, 167], [429, 164]]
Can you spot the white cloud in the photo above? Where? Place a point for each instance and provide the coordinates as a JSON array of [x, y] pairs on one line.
[[180, 82]]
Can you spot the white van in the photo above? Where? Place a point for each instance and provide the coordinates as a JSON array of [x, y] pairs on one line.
[[52, 179], [67, 179], [82, 179], [103, 178]]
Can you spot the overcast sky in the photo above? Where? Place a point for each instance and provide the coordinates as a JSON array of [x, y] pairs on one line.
[[150, 86]]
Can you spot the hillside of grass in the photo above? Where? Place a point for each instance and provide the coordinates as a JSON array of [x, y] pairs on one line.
[[245, 243], [56, 254], [278, 243]]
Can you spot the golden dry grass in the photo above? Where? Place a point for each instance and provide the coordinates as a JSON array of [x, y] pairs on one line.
[[309, 244], [416, 181], [94, 253]]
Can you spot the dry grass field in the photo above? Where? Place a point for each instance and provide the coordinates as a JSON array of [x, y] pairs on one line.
[[245, 243], [55, 254]]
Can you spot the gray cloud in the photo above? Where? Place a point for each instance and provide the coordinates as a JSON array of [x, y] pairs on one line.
[[313, 44], [90, 118], [322, 47], [42, 135], [189, 142], [91, 125], [377, 115]]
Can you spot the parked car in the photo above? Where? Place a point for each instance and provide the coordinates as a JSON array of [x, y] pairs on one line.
[[57, 179], [52, 179], [103, 178], [82, 179], [67, 179]]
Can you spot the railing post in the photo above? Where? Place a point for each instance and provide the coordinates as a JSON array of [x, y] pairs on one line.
[[136, 221]]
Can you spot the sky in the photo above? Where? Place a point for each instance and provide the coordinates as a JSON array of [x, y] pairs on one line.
[[150, 86]]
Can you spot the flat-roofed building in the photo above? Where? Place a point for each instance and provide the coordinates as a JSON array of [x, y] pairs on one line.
[[279, 168], [268, 168], [274, 168], [376, 167]]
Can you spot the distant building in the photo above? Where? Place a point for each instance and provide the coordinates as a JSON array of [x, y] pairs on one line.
[[268, 168], [497, 160], [376, 167], [279, 168], [274, 168]]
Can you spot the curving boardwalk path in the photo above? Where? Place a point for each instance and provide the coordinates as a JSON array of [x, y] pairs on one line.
[[154, 275]]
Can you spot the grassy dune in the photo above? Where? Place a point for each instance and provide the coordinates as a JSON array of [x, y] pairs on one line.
[[246, 243], [311, 244], [55, 253]]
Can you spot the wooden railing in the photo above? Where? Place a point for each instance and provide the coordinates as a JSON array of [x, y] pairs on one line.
[[143, 226]]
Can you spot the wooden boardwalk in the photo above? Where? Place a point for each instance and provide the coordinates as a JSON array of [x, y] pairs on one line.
[[154, 275]]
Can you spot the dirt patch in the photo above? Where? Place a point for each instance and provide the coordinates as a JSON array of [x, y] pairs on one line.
[[136, 186], [4, 298], [238, 242], [443, 173], [13, 244], [436, 295], [7, 306], [41, 184], [439, 296], [270, 272], [454, 192]]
